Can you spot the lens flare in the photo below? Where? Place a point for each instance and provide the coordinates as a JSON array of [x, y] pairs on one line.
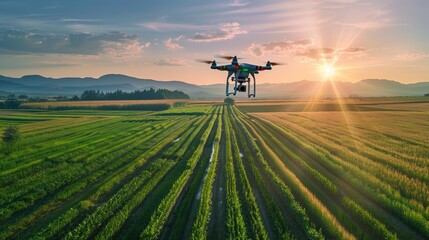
[[328, 71]]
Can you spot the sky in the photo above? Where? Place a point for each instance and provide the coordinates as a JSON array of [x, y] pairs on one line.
[[162, 39]]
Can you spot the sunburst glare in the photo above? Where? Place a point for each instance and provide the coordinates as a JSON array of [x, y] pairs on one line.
[[328, 71]]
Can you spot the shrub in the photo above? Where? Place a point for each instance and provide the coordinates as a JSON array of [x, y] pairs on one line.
[[10, 137], [179, 104], [229, 101], [11, 134]]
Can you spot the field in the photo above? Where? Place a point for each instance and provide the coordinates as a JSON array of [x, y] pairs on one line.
[[145, 105], [97, 103], [258, 170]]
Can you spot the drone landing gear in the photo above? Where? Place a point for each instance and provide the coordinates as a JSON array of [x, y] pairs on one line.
[[240, 87], [227, 85]]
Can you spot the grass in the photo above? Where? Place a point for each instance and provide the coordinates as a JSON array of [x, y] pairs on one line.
[[356, 169]]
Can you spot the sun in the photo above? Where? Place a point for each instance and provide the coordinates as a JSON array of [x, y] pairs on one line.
[[328, 71]]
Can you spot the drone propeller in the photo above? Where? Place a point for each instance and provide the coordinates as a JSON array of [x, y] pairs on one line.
[[204, 61], [227, 57], [275, 63]]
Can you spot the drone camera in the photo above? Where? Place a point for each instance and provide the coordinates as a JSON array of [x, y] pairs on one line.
[[241, 88]]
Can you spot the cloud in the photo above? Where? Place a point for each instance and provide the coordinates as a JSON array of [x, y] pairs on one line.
[[53, 64], [170, 44], [304, 49], [332, 53], [113, 44], [168, 27], [238, 3], [342, 1], [367, 24], [124, 52], [226, 31], [411, 57], [378, 19], [79, 20], [171, 62], [285, 47]]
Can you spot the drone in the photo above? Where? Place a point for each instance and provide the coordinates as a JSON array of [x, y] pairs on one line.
[[239, 74]]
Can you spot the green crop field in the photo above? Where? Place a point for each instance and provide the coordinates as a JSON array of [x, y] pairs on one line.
[[258, 170]]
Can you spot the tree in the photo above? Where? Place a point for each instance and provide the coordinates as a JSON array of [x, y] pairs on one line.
[[22, 96], [11, 134], [427, 95], [229, 101], [12, 102], [151, 93], [75, 98]]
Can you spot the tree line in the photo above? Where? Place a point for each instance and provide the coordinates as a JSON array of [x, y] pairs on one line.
[[148, 94]]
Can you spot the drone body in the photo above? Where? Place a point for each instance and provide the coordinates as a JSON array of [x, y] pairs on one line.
[[239, 74]]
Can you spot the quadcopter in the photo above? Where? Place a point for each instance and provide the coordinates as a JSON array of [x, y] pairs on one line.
[[239, 74]]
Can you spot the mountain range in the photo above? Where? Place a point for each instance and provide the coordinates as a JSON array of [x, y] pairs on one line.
[[36, 85]]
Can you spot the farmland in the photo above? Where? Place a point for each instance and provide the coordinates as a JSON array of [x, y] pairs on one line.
[[46, 105], [258, 170]]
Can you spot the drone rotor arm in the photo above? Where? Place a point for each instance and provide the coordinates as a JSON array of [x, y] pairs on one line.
[[222, 68]]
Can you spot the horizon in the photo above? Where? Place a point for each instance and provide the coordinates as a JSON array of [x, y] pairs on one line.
[[178, 80], [343, 40]]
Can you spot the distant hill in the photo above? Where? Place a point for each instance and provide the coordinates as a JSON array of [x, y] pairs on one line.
[[37, 85]]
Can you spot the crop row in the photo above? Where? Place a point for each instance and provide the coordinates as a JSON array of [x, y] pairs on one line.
[[329, 199], [407, 184], [121, 174], [372, 185], [56, 150], [199, 230], [302, 225], [34, 150], [378, 147], [236, 228], [273, 205], [350, 175], [118, 152], [256, 223], [27, 184], [159, 217], [48, 186], [181, 219], [119, 219]]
